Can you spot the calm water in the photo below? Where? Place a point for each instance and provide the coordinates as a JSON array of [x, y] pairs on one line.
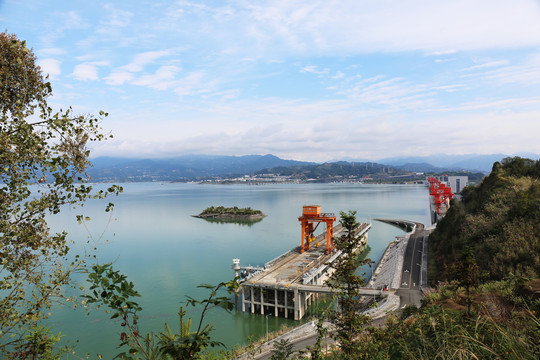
[[153, 239]]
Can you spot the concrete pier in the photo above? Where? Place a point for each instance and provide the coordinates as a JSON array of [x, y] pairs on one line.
[[287, 285]]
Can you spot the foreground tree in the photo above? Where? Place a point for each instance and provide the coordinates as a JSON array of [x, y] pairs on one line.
[[43, 158], [112, 289], [348, 320]]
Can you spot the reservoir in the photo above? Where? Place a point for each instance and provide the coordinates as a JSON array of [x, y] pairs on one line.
[[152, 238]]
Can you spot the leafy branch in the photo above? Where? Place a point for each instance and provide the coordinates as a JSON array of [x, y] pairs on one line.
[[112, 289]]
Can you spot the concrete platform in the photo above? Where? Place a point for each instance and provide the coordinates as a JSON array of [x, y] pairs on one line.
[[283, 284]]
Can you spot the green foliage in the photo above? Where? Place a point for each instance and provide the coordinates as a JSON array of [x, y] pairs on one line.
[[282, 350], [499, 220], [335, 170], [465, 271], [497, 329], [221, 210], [38, 342], [317, 352], [110, 288], [43, 162], [23, 86], [348, 320]]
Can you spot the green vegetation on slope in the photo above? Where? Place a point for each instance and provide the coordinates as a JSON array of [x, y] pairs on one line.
[[334, 170], [502, 325], [499, 221], [486, 251]]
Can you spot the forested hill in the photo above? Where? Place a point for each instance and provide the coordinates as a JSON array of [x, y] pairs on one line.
[[497, 223], [181, 167], [336, 169], [484, 265]]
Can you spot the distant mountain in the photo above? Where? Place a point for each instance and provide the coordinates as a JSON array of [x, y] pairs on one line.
[[471, 162], [419, 167], [191, 167], [341, 170], [185, 167]]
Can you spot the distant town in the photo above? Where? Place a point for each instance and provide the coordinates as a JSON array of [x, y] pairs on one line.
[[267, 169]]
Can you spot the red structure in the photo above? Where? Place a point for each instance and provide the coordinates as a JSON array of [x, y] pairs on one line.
[[311, 218], [441, 193]]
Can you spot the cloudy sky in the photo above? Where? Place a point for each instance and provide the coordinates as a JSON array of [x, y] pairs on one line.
[[301, 79]]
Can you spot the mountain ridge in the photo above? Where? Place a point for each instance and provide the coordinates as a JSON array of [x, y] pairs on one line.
[[194, 167]]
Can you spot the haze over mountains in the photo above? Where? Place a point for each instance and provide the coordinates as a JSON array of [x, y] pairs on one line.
[[183, 167], [188, 167]]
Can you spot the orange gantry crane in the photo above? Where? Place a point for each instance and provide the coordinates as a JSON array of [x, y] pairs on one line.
[[441, 193], [312, 215]]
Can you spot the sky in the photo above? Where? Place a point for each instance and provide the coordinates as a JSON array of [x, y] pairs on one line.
[[301, 79]]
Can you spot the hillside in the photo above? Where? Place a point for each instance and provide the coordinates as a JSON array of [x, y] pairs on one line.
[[499, 221], [333, 171], [485, 264]]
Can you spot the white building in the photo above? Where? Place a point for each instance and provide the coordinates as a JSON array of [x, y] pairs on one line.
[[456, 183]]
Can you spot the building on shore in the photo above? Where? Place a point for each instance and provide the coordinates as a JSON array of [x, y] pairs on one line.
[[456, 183]]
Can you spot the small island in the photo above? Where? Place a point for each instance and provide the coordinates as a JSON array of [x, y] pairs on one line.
[[231, 213]]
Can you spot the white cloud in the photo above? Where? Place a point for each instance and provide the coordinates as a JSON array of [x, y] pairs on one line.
[[195, 83], [50, 67], [162, 79], [487, 65], [314, 69], [318, 130], [85, 72], [449, 88], [443, 52], [143, 59], [58, 24], [117, 17], [297, 78], [51, 52], [436, 27], [125, 73], [119, 77], [492, 104], [338, 75], [393, 94], [527, 73]]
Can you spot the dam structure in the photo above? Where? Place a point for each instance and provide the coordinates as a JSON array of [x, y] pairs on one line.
[[287, 285]]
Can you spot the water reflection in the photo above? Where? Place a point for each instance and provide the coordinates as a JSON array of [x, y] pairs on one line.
[[242, 222]]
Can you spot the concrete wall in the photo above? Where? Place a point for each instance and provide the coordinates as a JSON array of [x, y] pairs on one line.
[[456, 183]]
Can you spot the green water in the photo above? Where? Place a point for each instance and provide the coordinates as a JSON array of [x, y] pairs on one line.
[[154, 240]]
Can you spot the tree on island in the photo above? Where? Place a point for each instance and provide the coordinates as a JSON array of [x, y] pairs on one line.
[[221, 210], [43, 162]]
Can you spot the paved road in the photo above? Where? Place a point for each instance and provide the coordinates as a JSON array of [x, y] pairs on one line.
[[297, 346], [413, 275]]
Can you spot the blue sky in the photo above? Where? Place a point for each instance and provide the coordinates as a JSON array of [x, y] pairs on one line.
[[306, 80]]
